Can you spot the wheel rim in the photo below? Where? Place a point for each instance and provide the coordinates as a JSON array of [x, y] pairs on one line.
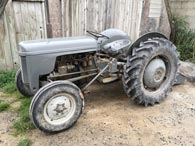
[[155, 74], [59, 109]]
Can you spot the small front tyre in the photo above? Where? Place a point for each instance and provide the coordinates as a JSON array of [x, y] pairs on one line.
[[56, 106]]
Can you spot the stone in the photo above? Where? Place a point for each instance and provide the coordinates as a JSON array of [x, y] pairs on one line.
[[187, 69]]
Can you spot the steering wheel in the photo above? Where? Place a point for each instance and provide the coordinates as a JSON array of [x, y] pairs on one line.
[[97, 35]]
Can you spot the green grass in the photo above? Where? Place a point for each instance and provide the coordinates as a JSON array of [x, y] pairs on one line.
[[4, 106], [7, 79], [23, 124], [184, 39], [8, 87], [24, 142]]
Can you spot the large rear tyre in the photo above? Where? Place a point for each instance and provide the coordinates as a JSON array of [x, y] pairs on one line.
[[56, 106], [21, 87], [150, 71]]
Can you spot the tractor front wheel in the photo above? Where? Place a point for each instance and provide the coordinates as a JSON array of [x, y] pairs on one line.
[[56, 106]]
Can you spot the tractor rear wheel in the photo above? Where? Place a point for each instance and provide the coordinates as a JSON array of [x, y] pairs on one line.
[[150, 71], [56, 106]]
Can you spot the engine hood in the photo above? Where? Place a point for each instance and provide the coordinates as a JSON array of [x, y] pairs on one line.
[[68, 45]]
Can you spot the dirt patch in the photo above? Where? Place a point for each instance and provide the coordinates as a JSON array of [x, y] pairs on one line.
[[110, 119]]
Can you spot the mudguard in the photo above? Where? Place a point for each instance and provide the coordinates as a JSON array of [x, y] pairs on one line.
[[145, 37]]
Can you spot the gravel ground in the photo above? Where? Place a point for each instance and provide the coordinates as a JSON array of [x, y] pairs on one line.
[[110, 119]]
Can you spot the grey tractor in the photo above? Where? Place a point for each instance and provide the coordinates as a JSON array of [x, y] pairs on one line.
[[58, 71]]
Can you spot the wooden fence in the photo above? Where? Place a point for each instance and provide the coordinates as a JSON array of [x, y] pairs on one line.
[[26, 20], [98, 15], [21, 20]]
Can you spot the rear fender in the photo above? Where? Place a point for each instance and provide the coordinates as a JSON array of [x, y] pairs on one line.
[[144, 38]]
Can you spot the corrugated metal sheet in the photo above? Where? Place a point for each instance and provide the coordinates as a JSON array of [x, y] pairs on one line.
[[155, 8]]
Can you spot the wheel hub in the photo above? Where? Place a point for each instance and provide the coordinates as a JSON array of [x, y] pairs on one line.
[[57, 108], [154, 73], [60, 108], [159, 74]]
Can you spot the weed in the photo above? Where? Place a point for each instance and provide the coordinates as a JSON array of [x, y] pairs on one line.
[[24, 142], [7, 83], [184, 39], [23, 124], [4, 106], [6, 77], [9, 88]]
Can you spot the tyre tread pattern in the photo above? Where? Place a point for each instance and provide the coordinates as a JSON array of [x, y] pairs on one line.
[[135, 64], [47, 89]]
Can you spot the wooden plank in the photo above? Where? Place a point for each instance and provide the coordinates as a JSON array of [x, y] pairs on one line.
[[124, 16], [29, 0], [85, 17], [6, 45], [40, 23], [116, 14], [133, 28], [30, 20], [79, 14], [40, 27], [82, 15], [71, 17], [108, 15], [74, 21], [129, 15], [18, 21], [44, 19], [127, 18], [98, 15], [89, 15], [112, 13], [72, 25], [25, 27], [67, 17], [12, 37], [2, 53], [139, 16], [77, 25], [103, 14], [120, 21], [3, 3], [62, 15], [37, 16]]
